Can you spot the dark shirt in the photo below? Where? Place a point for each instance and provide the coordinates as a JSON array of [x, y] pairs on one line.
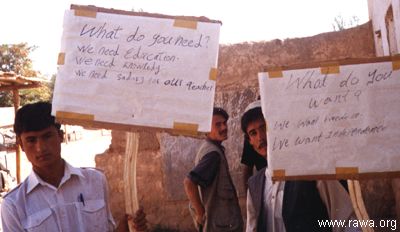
[[204, 172], [251, 158]]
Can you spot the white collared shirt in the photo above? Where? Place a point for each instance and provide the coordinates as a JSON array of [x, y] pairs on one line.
[[79, 204], [273, 198]]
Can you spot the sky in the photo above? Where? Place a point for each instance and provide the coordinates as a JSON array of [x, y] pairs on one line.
[[39, 22]]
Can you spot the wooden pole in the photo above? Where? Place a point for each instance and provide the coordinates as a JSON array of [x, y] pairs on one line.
[[16, 101], [352, 194], [358, 203], [131, 151]]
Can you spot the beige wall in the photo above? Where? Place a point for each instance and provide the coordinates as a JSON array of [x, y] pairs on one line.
[[164, 160]]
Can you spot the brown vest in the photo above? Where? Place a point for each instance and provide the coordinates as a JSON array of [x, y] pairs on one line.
[[220, 199]]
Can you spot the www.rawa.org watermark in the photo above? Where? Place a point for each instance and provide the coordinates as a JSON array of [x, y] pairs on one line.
[[390, 223]]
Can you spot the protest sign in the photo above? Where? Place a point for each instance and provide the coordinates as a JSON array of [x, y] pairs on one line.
[[334, 120], [122, 68]]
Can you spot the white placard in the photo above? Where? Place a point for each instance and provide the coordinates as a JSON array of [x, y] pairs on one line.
[[136, 70], [320, 122]]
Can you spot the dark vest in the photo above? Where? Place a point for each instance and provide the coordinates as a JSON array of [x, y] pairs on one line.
[[219, 199], [302, 205]]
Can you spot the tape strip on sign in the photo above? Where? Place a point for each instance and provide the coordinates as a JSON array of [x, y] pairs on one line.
[[71, 115], [279, 173], [275, 73], [61, 58], [330, 68], [347, 172], [395, 62], [213, 74], [85, 13], [185, 24], [185, 128]]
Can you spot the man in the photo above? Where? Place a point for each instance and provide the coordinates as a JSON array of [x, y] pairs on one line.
[[209, 185], [251, 158], [291, 205], [55, 196]]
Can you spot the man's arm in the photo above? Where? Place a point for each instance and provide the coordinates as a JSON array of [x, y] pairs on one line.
[[203, 175], [192, 193], [9, 217]]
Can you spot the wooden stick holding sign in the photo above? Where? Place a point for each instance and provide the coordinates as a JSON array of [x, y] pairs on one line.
[[361, 204], [357, 211], [131, 151], [358, 203]]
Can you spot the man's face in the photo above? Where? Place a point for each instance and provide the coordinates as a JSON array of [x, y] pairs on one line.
[[219, 128], [42, 148], [256, 130]]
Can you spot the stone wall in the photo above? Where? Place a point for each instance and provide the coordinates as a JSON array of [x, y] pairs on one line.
[[164, 160]]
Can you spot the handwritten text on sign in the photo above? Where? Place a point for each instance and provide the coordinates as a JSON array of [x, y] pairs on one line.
[[137, 70], [317, 122]]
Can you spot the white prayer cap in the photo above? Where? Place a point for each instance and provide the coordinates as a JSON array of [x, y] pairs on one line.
[[253, 105]]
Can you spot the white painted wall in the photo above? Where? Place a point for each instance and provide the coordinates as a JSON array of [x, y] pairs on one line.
[[7, 116], [377, 13]]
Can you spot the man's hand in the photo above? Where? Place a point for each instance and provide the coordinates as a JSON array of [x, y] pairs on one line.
[[138, 221]]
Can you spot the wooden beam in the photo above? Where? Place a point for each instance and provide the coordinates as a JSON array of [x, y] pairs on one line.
[[16, 100], [16, 87], [4, 83]]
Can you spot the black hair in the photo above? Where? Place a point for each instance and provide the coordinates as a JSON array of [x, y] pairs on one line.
[[250, 116], [34, 117], [220, 111]]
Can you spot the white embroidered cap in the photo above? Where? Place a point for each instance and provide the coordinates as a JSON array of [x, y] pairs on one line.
[[253, 105]]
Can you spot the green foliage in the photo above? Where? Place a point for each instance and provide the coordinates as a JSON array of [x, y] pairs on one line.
[[6, 98], [15, 58], [43, 93]]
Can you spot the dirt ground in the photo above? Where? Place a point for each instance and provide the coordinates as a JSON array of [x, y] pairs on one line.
[[79, 151]]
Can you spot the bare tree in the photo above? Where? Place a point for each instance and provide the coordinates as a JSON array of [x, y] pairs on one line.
[[340, 23]]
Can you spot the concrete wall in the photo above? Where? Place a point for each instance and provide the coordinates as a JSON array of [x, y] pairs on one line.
[[164, 160]]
